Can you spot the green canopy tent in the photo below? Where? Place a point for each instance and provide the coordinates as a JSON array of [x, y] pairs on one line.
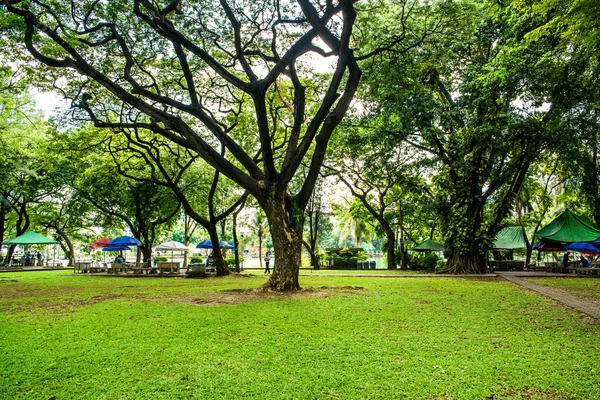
[[569, 228], [29, 238], [510, 238], [428, 245]]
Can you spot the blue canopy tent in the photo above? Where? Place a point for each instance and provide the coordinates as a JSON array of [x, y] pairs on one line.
[[122, 243], [583, 247], [125, 240], [116, 247], [207, 244]]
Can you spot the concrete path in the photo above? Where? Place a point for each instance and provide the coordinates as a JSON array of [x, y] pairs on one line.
[[585, 307]]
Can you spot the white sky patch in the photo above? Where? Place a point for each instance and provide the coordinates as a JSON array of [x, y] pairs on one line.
[[49, 102]]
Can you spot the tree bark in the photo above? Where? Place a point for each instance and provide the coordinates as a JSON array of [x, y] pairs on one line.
[[403, 261], [391, 247], [285, 224], [469, 262], [70, 248], [469, 256], [23, 223], [3, 212], [217, 254]]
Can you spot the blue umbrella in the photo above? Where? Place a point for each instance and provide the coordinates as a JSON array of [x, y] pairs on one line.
[[582, 247], [207, 244], [125, 241], [116, 247]]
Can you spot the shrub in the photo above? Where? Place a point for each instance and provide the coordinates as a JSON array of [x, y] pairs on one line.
[[196, 260], [160, 259], [441, 266], [423, 261], [230, 261]]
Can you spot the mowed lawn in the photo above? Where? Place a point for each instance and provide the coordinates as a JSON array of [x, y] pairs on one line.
[[86, 337]]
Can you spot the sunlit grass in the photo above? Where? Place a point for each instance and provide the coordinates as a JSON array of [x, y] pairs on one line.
[[127, 338]]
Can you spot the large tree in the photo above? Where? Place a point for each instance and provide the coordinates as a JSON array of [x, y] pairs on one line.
[[484, 101], [187, 70]]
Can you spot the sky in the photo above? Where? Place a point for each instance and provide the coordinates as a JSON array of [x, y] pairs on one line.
[[47, 102]]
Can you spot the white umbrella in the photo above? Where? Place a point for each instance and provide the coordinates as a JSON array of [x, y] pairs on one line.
[[171, 246]]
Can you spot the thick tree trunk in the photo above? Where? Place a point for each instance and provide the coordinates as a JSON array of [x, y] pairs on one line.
[[217, 255], [468, 253], [472, 262], [287, 243], [145, 253]]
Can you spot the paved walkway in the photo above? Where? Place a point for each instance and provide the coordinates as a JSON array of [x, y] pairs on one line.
[[585, 307]]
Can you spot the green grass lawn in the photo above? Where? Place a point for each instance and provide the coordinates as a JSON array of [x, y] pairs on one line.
[[363, 271], [86, 337], [585, 288]]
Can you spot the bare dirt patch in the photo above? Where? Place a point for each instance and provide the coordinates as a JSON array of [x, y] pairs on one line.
[[421, 301], [239, 296]]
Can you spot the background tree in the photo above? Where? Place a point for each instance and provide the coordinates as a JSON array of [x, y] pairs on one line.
[[473, 100]]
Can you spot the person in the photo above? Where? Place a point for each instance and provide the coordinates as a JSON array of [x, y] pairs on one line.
[[40, 259], [28, 259], [267, 259], [584, 262], [119, 259]]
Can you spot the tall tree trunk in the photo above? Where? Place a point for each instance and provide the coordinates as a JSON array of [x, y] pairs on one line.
[[285, 223], [3, 212], [70, 250], [391, 246], [217, 255], [468, 255], [23, 223], [595, 184], [314, 259], [403, 261], [236, 243]]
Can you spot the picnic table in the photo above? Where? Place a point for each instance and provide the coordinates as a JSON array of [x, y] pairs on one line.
[[507, 265], [171, 267]]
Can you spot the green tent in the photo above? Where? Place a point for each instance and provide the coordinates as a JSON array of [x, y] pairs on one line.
[[569, 228], [510, 238], [428, 245], [29, 238]]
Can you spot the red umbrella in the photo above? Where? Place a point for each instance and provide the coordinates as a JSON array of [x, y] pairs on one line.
[[98, 244]]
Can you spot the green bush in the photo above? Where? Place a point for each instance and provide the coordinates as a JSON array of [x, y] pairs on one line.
[[423, 261], [344, 258], [158, 259], [230, 261], [196, 260], [441, 266]]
